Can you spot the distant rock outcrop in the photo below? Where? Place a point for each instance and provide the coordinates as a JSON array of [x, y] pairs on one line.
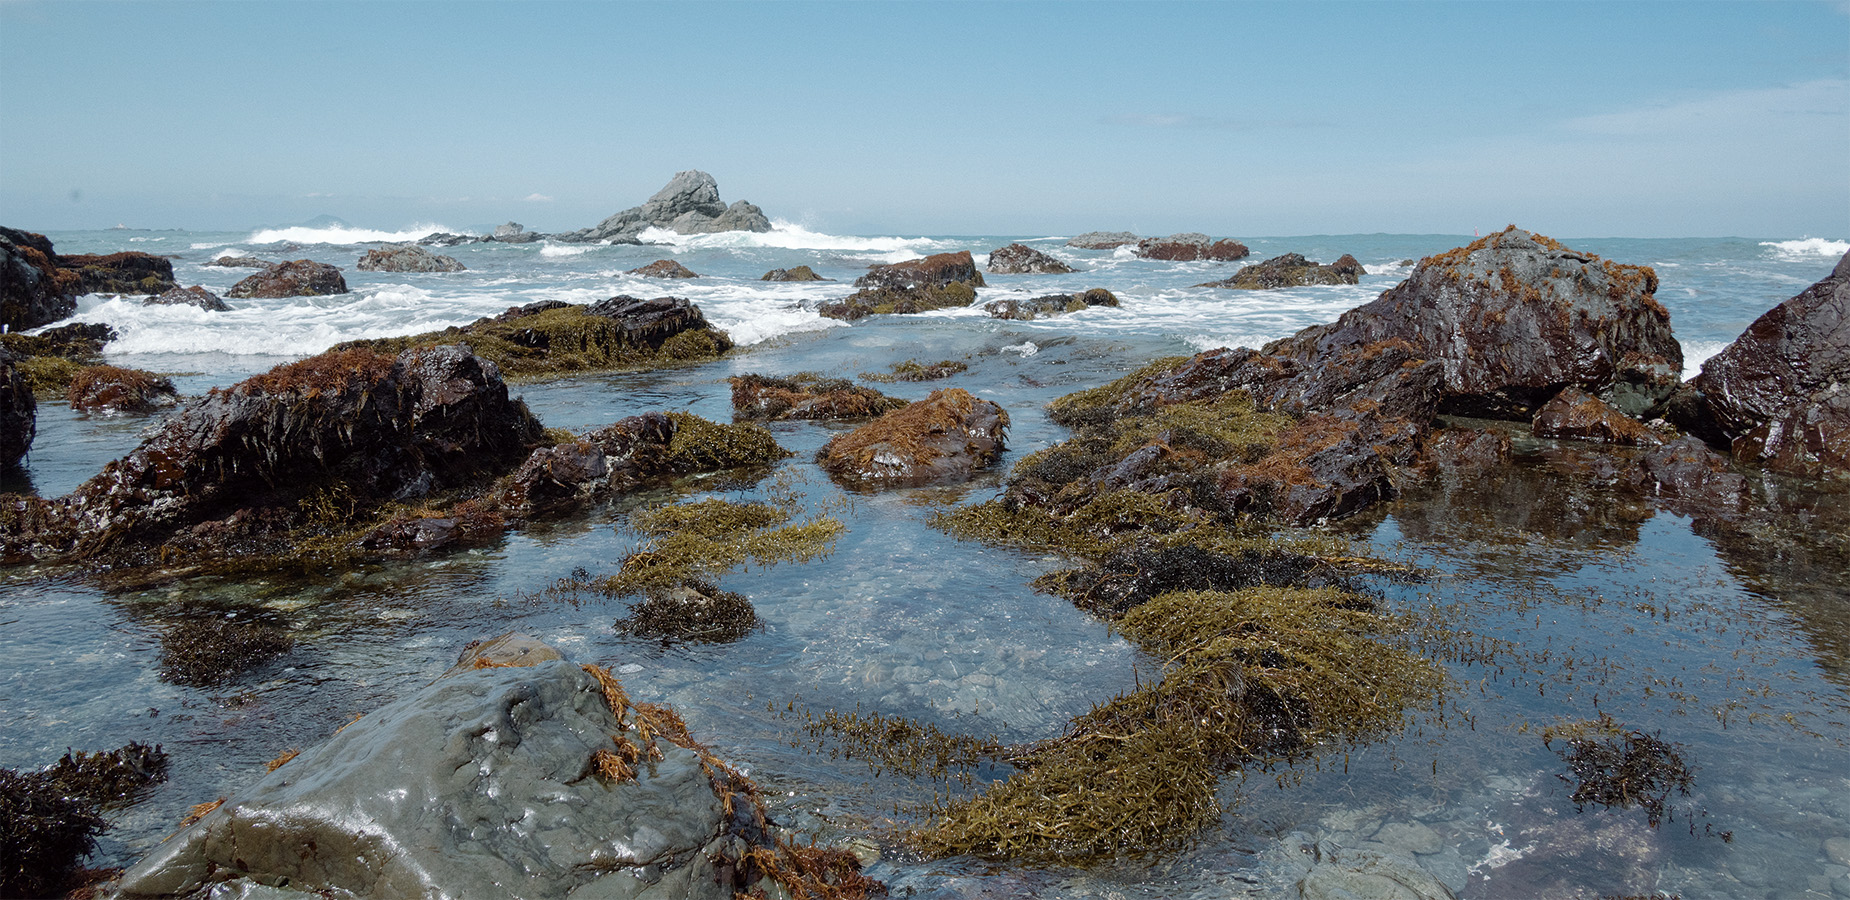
[[1189, 246], [189, 296], [514, 233], [1050, 305], [664, 268], [1779, 396], [689, 204], [295, 278], [917, 285], [1292, 270], [239, 262], [1103, 240], [407, 258], [800, 273], [1021, 259]]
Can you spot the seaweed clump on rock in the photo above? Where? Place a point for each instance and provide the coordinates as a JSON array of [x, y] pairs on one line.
[[1050, 305], [949, 434], [550, 338], [913, 370], [919, 285], [49, 819], [108, 389], [806, 395]]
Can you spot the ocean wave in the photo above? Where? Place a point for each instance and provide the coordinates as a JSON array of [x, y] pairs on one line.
[[554, 251], [788, 236], [1807, 247], [1695, 353], [340, 235]]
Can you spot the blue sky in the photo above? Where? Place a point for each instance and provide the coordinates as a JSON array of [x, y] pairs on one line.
[[1574, 119]]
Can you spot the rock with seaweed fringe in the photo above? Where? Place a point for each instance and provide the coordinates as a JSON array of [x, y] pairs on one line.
[[111, 389], [946, 436], [189, 296], [806, 395], [1779, 396], [551, 337], [407, 258], [18, 411], [799, 273], [1576, 415], [295, 278], [232, 471], [1021, 259], [664, 268], [1189, 246], [34, 291], [120, 273], [1292, 270], [1050, 305], [571, 787], [919, 285]]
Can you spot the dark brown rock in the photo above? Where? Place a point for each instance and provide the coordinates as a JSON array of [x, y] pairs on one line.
[[18, 411], [919, 285], [1780, 394], [34, 291], [239, 262], [1051, 305], [120, 273], [650, 322], [1190, 246], [800, 273], [407, 258], [1292, 270], [936, 270], [1687, 470], [1576, 415], [109, 389], [1021, 259], [944, 437], [664, 268], [806, 395], [295, 278], [189, 296]]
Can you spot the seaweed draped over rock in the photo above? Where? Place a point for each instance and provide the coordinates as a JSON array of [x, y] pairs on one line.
[[806, 395], [919, 285], [947, 435], [550, 337], [237, 464]]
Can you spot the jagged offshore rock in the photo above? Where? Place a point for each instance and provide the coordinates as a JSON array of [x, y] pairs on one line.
[[1292, 270], [1021, 259], [295, 278], [664, 268], [407, 258], [688, 204]]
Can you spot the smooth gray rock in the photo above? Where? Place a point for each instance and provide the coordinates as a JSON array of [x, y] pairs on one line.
[[407, 258], [513, 233], [480, 785], [1103, 240], [688, 204], [1357, 874]]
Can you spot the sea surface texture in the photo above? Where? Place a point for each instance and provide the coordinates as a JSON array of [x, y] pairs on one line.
[[1572, 602]]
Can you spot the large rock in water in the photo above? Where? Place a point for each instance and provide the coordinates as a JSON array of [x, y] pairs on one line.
[[946, 436], [33, 290], [503, 780], [18, 411], [295, 278], [1021, 259], [1189, 246], [1780, 394], [189, 296], [369, 426], [1292, 270], [1103, 240], [916, 285], [407, 258], [688, 204], [120, 273]]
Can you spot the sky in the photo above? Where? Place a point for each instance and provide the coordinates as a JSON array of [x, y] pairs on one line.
[[1657, 119]]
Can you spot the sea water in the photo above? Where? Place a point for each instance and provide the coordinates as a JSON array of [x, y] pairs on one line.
[[1733, 647]]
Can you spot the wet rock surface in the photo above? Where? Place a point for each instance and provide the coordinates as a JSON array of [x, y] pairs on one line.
[[295, 278], [919, 285], [1577, 415], [1050, 305], [189, 296], [800, 273], [806, 396], [486, 783], [688, 204], [1021, 259], [1779, 396], [946, 436], [120, 273], [34, 291], [1102, 240], [407, 258], [664, 268], [18, 411], [1292, 270], [1190, 246], [107, 389]]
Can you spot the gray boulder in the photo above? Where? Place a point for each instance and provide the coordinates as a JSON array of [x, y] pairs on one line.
[[494, 781], [1021, 259], [408, 258], [239, 262], [513, 233], [688, 204], [1338, 873], [189, 296], [1103, 240]]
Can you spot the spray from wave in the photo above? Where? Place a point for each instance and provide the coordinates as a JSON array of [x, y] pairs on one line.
[[339, 235], [788, 236], [1806, 248]]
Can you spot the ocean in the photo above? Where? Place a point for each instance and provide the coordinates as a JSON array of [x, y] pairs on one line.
[[1737, 655]]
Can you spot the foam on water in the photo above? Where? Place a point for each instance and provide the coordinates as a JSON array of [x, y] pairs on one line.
[[340, 235], [1695, 353], [789, 236], [1807, 248], [555, 251]]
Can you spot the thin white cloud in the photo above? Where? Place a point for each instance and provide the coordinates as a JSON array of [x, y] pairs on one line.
[[1804, 105], [537, 197], [1178, 120]]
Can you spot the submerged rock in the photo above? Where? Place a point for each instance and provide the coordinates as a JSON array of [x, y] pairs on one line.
[[295, 278], [1190, 246], [1021, 259], [189, 296], [688, 204], [1050, 305], [1577, 415], [407, 258], [506, 780], [664, 268], [18, 411], [806, 395], [800, 273], [1103, 240], [1779, 396], [1339, 873], [946, 436], [918, 285], [1292, 270]]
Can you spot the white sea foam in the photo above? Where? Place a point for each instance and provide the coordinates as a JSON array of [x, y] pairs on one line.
[[789, 236], [553, 251], [1695, 353], [340, 235], [1807, 248]]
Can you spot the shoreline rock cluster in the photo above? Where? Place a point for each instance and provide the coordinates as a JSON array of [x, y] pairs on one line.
[[39, 286]]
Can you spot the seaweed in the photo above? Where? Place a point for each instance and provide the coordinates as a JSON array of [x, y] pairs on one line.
[[1618, 768], [913, 370], [806, 395], [702, 446], [565, 339], [903, 745], [205, 646], [50, 819]]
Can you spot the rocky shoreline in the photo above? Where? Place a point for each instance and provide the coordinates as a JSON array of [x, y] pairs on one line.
[[1183, 469]]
